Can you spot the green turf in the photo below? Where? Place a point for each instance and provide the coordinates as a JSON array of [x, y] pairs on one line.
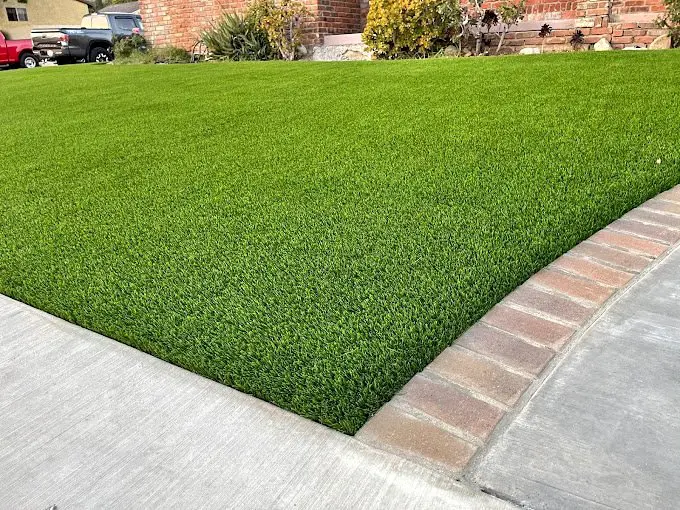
[[316, 233]]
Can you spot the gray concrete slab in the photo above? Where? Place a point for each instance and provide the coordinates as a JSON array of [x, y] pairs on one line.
[[86, 422], [603, 431]]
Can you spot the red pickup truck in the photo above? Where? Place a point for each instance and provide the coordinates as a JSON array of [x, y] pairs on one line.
[[17, 52]]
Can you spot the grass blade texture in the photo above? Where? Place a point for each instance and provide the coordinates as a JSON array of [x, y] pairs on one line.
[[315, 233]]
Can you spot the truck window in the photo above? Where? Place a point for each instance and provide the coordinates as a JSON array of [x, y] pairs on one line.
[[16, 14], [125, 24], [95, 21]]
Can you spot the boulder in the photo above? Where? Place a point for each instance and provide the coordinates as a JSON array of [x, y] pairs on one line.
[[663, 42], [602, 45], [356, 55], [451, 51]]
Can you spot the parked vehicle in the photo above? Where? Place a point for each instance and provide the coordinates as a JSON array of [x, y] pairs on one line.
[[92, 42], [17, 52]]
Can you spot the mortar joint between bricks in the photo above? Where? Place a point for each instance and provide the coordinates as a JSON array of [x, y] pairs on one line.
[[433, 376], [500, 364], [400, 403], [540, 314], [617, 248], [612, 265], [651, 208], [518, 337], [556, 292]]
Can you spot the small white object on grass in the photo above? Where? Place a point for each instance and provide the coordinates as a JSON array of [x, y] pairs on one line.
[[658, 161]]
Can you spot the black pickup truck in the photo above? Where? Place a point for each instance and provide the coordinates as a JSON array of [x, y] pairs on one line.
[[92, 42]]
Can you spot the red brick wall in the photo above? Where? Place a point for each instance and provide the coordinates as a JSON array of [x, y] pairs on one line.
[[180, 22], [338, 17], [622, 22], [620, 7], [543, 9]]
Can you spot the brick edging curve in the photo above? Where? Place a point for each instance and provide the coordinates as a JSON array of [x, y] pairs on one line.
[[447, 413]]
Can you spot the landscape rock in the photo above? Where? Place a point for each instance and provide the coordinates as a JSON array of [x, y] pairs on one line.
[[451, 51], [530, 51], [356, 55], [339, 52], [602, 45], [663, 42]]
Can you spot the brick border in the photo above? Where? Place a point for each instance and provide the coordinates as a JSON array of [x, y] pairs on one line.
[[449, 411]]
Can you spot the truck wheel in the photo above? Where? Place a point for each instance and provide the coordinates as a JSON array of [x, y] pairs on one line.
[[99, 54], [28, 60]]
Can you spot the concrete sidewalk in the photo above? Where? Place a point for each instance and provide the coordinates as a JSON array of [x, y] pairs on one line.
[[603, 431], [86, 422]]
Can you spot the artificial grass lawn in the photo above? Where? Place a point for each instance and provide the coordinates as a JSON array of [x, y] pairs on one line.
[[316, 233]]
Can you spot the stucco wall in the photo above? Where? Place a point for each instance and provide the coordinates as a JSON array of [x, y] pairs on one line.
[[41, 13]]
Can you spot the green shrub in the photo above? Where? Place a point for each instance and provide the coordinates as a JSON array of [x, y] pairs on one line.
[[411, 28], [124, 47], [163, 55], [136, 57], [171, 55], [671, 20], [237, 37], [282, 22]]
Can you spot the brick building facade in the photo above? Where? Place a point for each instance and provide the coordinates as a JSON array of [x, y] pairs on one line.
[[623, 23], [180, 22]]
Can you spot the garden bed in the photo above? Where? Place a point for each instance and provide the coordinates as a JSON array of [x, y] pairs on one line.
[[316, 233]]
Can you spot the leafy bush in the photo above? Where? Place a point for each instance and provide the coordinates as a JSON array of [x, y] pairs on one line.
[[411, 28], [237, 37], [125, 46], [162, 55], [510, 14], [282, 23], [171, 55], [476, 23], [671, 20], [136, 57]]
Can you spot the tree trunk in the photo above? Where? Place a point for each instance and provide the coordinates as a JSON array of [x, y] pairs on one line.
[[500, 42]]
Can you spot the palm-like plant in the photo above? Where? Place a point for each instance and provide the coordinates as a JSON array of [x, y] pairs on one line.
[[236, 37]]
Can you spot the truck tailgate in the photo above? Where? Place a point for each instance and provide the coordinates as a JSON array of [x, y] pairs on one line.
[[47, 38]]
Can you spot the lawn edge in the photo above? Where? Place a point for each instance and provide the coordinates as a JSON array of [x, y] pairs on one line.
[[446, 416]]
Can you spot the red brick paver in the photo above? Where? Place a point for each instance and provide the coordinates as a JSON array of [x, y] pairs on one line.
[[647, 231], [672, 195], [394, 429], [663, 206], [443, 415], [482, 375], [573, 286], [528, 326], [628, 242], [612, 256], [654, 217], [505, 348], [599, 273], [453, 407], [557, 306]]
